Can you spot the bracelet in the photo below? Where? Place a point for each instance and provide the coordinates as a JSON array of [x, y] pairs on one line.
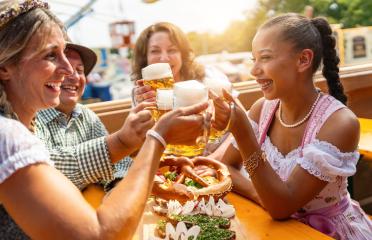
[[252, 162], [157, 136]]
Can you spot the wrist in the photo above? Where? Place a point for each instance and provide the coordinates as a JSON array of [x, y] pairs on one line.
[[156, 135]]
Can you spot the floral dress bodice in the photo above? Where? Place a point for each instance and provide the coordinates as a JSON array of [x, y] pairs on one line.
[[319, 158]]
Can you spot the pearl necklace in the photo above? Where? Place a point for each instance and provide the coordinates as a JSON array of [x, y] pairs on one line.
[[301, 121]]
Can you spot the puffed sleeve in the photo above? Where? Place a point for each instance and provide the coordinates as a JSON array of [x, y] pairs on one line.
[[326, 162], [19, 148]]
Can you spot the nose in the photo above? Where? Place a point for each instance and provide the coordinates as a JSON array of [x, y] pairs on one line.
[[164, 57], [255, 70], [65, 66]]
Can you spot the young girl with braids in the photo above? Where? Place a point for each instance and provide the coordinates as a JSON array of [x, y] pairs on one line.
[[42, 201], [297, 144]]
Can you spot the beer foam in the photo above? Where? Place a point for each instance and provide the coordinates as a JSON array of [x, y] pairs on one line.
[[157, 71], [164, 99], [217, 84], [189, 92]]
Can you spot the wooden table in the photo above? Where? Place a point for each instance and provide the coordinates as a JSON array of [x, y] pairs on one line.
[[256, 222], [365, 142]]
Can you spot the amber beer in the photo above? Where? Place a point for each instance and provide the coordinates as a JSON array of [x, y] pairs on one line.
[[164, 102], [216, 83], [187, 93], [158, 76]]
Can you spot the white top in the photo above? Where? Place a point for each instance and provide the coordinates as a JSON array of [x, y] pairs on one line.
[[19, 148]]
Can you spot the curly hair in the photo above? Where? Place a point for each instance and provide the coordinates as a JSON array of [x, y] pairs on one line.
[[314, 34], [189, 70]]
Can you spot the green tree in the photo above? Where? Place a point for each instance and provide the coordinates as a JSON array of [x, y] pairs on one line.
[[238, 36]]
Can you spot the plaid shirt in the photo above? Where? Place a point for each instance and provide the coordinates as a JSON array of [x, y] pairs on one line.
[[78, 147]]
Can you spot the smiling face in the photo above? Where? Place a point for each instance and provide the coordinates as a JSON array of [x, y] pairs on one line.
[[275, 63], [73, 85], [162, 50], [34, 82]]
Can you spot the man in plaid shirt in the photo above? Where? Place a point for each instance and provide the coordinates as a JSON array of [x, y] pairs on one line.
[[77, 140]]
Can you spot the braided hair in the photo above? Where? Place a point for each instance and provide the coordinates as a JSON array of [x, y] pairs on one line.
[[314, 34]]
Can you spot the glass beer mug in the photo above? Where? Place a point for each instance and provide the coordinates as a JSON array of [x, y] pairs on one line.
[[164, 102], [158, 76], [187, 93]]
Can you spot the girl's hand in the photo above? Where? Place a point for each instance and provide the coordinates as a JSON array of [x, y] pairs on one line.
[[221, 111]]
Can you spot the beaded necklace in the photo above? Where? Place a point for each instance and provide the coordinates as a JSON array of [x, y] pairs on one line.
[[302, 120]]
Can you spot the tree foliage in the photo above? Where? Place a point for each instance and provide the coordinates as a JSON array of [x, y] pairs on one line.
[[239, 34]]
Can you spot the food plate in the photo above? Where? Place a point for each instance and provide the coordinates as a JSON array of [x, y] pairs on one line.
[[146, 228]]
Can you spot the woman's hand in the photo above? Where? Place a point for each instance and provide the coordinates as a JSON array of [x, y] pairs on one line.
[[143, 93], [183, 125], [132, 133]]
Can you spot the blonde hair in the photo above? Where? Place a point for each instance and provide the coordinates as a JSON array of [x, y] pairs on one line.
[[189, 70], [15, 36]]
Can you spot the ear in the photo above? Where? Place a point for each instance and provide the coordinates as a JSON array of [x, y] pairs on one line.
[[305, 60], [4, 73]]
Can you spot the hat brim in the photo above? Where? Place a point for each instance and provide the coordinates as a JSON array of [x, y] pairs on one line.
[[87, 55]]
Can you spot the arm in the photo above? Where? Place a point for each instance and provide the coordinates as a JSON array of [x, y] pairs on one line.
[[241, 183], [132, 134], [50, 207], [49, 214]]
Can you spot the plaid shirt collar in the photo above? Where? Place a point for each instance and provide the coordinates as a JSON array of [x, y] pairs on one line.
[[48, 115]]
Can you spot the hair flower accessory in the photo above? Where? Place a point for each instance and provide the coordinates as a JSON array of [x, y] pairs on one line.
[[19, 8]]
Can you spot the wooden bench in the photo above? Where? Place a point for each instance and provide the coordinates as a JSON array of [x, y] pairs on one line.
[[355, 79], [365, 142]]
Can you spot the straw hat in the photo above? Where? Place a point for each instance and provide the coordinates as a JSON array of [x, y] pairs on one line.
[[88, 56]]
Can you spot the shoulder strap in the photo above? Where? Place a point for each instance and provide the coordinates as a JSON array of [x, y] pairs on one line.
[[266, 117], [325, 107]]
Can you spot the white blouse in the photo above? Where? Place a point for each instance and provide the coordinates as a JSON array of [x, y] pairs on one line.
[[18, 148], [321, 159]]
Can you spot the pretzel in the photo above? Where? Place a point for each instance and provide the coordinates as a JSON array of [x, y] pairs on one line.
[[184, 167]]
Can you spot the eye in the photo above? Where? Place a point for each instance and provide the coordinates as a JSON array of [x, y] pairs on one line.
[[154, 51], [51, 56], [173, 50], [265, 57], [80, 71]]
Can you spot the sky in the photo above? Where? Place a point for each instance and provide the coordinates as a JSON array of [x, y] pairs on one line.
[[211, 16]]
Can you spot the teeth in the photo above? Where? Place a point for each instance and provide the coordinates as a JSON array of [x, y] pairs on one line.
[[264, 85], [54, 85], [69, 87]]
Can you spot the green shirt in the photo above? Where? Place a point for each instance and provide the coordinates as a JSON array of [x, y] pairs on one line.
[[78, 147]]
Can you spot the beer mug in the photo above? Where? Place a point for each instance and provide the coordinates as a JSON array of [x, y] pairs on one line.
[[188, 93], [216, 85], [164, 102], [157, 76]]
